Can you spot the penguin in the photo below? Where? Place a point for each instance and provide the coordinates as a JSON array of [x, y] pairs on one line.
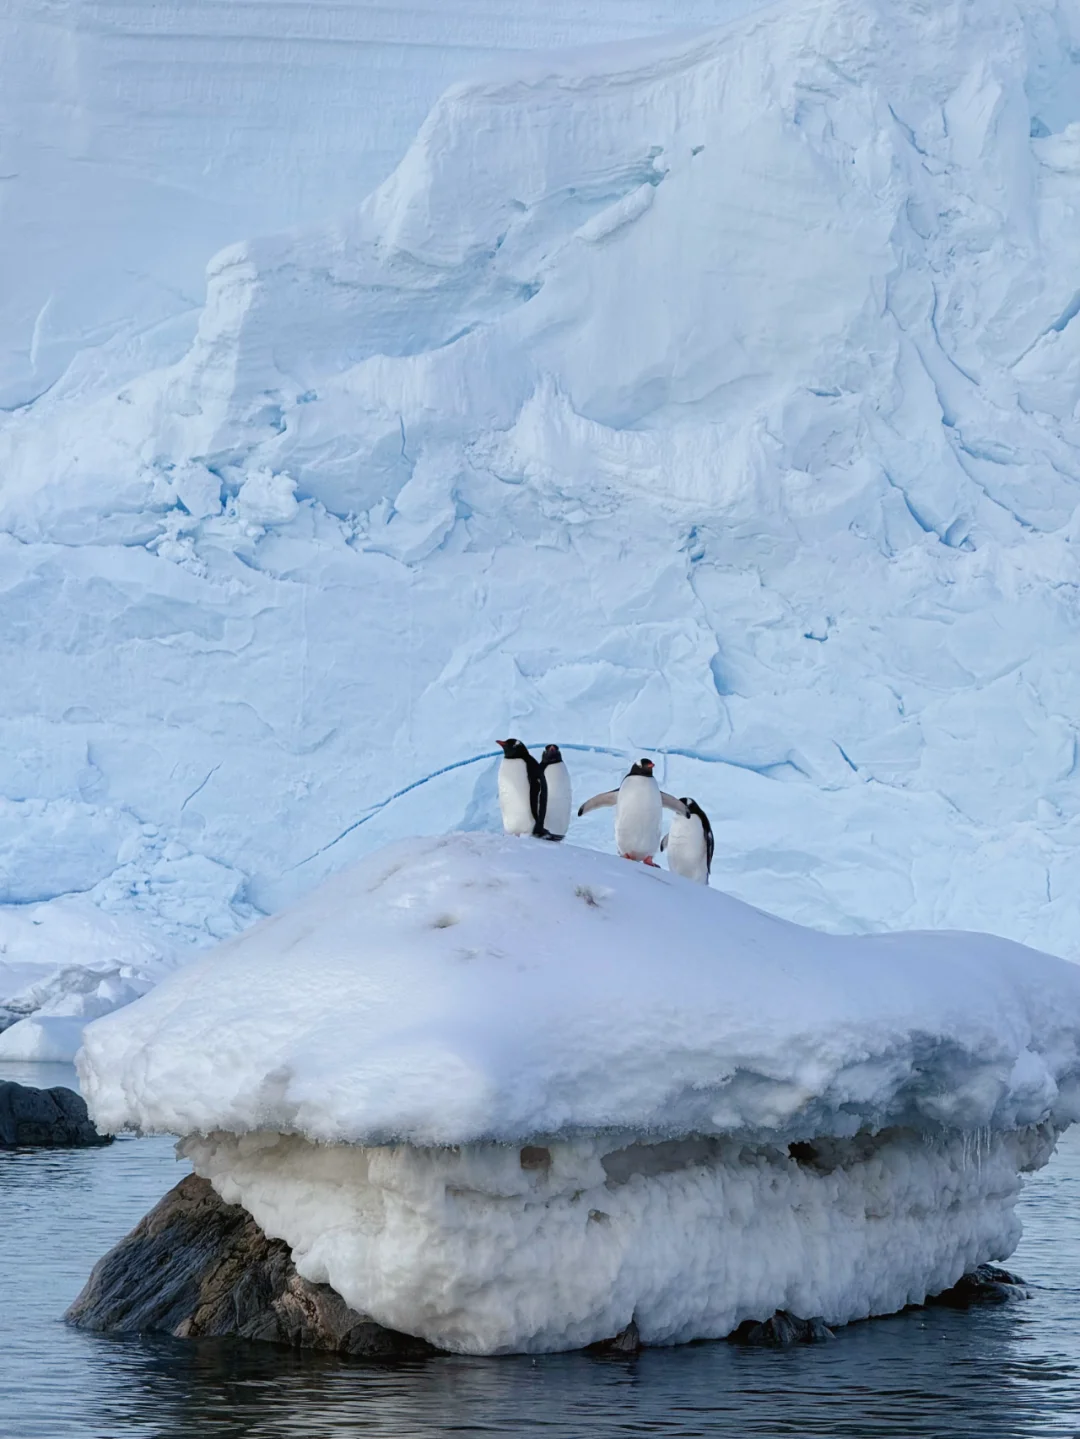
[[522, 791], [689, 843], [557, 809], [639, 805]]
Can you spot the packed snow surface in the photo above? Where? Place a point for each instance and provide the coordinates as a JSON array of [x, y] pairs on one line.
[[711, 397], [507, 1094], [482, 987]]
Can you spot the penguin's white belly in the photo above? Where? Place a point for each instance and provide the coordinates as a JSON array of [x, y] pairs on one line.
[[638, 814], [557, 815], [686, 851], [514, 797]]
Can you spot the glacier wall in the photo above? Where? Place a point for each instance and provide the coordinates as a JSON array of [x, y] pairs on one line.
[[139, 136], [712, 397]]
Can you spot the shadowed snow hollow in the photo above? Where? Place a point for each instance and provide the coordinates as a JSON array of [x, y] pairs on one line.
[[505, 1095], [714, 398]]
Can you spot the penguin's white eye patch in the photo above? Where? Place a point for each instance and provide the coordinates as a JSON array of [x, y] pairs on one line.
[[445, 921]]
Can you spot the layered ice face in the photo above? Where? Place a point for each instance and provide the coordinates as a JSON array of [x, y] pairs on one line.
[[509, 1095], [487, 1248]]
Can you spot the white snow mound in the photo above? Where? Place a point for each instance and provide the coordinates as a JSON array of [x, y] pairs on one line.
[[508, 1095]]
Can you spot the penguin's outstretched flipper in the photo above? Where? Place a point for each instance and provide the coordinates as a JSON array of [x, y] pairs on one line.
[[608, 800], [670, 802]]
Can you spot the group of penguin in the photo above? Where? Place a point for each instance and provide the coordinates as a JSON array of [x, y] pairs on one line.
[[535, 799]]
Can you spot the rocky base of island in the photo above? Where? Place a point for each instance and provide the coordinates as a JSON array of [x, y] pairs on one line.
[[196, 1267]]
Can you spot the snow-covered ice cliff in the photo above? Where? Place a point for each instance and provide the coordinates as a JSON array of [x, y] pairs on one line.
[[139, 136], [507, 1095], [715, 397]]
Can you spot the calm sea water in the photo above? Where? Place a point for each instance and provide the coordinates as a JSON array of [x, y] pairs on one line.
[[1013, 1371]]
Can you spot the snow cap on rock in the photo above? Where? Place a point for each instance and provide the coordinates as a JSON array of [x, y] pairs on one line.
[[470, 987]]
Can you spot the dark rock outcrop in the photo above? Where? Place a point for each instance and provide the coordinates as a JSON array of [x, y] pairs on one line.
[[197, 1267], [986, 1285], [45, 1118], [781, 1330], [627, 1341]]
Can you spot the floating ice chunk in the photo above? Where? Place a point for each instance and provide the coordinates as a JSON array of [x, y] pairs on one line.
[[64, 963], [509, 1096]]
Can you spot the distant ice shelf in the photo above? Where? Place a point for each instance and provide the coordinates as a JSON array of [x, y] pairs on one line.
[[65, 963]]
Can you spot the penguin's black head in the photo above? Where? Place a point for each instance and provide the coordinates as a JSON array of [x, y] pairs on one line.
[[643, 766], [512, 748], [692, 807], [552, 754]]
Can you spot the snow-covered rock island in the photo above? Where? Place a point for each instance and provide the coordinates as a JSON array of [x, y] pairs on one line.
[[509, 1096]]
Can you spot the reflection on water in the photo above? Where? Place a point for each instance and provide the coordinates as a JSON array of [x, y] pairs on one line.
[[1006, 1372]]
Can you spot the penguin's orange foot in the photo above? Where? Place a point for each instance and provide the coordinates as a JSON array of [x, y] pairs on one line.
[[650, 861]]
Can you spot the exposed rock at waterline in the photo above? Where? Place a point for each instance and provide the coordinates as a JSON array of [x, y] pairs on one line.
[[197, 1267], [781, 1330], [627, 1341], [45, 1118], [986, 1285]]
